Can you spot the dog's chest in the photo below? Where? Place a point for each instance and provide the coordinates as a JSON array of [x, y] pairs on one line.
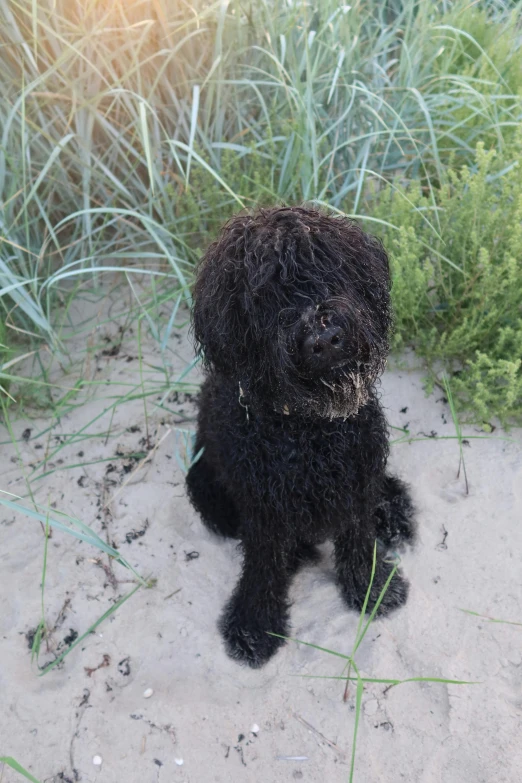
[[306, 470], [309, 472]]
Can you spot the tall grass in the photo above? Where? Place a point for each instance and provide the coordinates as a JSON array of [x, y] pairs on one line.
[[130, 129]]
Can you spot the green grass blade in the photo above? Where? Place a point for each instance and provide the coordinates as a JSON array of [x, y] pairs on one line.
[[374, 610], [35, 647], [83, 531], [205, 165], [146, 143], [90, 630], [387, 681], [309, 644], [10, 762], [358, 700], [193, 127], [490, 619]]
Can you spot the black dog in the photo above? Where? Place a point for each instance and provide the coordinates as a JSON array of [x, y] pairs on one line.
[[291, 317]]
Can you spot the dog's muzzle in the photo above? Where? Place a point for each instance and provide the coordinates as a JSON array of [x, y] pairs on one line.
[[322, 343]]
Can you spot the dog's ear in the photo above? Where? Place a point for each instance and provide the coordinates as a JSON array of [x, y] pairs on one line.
[[380, 264], [365, 254], [376, 284], [220, 326], [358, 260]]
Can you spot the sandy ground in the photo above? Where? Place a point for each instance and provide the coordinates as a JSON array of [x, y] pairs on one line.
[[196, 726]]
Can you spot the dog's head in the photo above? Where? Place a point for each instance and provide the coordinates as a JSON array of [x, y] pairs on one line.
[[293, 305]]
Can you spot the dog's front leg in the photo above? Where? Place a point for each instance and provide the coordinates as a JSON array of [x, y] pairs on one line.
[[353, 563], [259, 603]]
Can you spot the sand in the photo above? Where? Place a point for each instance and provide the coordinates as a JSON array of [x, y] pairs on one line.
[[207, 718]]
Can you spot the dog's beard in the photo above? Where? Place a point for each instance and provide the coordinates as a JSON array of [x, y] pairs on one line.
[[345, 397], [338, 396]]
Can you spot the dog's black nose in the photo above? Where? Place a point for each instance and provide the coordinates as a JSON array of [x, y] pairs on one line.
[[324, 344]]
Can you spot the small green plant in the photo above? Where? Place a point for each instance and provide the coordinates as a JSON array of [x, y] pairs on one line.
[[458, 430], [457, 278], [41, 628]]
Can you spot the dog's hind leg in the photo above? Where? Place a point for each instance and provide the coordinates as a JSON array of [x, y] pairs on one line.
[[395, 514], [211, 500]]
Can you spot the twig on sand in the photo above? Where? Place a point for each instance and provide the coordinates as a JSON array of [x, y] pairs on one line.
[[137, 468], [171, 594], [318, 734]]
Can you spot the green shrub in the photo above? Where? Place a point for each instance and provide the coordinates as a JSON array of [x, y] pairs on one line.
[[456, 256]]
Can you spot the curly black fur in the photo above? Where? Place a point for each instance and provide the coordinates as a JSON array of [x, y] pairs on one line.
[[291, 317]]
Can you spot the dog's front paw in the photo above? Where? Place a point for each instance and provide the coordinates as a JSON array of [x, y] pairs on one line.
[[396, 594], [354, 590], [247, 637]]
